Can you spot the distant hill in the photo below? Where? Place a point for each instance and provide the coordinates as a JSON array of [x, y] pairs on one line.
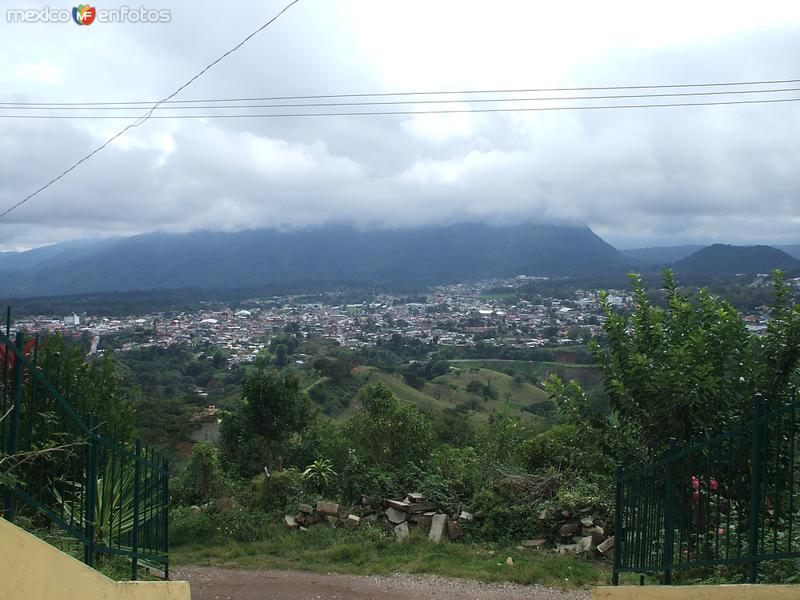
[[792, 250], [660, 255], [338, 255], [722, 259]]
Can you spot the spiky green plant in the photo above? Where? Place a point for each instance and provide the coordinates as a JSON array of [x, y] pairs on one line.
[[319, 473], [113, 506]]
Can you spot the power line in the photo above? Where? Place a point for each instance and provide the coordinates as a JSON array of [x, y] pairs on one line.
[[149, 114], [411, 112], [421, 93], [416, 102]]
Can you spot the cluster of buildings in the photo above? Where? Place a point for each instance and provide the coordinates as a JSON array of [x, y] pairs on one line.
[[488, 312]]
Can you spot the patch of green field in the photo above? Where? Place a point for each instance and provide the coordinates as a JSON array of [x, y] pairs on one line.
[[450, 392], [369, 551]]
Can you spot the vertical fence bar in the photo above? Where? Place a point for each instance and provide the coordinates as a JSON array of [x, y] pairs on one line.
[[617, 528], [669, 511], [91, 484], [165, 516], [755, 488], [13, 431], [135, 532]]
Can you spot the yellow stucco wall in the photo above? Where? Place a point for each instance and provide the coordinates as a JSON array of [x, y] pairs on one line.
[[698, 592], [31, 569]]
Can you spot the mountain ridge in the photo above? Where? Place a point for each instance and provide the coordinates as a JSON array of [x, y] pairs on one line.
[[335, 253]]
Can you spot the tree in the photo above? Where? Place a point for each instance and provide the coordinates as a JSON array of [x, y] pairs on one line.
[[274, 408], [389, 432], [688, 370], [281, 356]]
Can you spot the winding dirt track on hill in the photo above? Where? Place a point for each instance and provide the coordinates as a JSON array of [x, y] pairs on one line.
[[209, 583]]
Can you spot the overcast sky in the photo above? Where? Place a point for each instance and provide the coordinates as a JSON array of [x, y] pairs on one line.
[[637, 177]]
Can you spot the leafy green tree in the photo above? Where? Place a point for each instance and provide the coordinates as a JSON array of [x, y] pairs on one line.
[[274, 408], [203, 478], [388, 432], [281, 356], [686, 370]]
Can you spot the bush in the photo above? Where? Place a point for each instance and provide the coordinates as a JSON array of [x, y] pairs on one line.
[[203, 479], [187, 525], [282, 490]]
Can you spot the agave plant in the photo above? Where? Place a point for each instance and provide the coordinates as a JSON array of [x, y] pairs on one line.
[[113, 506], [319, 473]]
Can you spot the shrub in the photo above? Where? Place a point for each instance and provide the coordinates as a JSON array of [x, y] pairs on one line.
[[279, 492], [187, 525]]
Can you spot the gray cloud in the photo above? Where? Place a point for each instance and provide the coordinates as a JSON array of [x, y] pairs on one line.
[[637, 177]]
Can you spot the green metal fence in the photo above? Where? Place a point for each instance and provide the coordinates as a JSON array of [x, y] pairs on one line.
[[59, 468], [731, 500]]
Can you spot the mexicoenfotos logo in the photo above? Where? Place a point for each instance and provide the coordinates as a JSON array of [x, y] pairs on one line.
[[84, 14]]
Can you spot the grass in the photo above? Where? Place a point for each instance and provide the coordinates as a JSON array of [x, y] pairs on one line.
[[373, 552]]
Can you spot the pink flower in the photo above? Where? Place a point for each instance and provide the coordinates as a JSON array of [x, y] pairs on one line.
[[713, 484], [696, 495], [721, 531], [695, 483]]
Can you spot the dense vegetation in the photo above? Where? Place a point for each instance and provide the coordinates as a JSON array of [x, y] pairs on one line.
[[477, 432]]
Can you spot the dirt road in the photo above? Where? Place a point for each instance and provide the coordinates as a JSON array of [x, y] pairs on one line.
[[223, 584]]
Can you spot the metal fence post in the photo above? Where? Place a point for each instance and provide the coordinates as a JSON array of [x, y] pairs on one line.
[[755, 488], [13, 432], [91, 491], [135, 532], [669, 512], [618, 537], [165, 515]]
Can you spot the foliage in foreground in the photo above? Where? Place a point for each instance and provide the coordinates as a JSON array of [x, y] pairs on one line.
[[369, 551]]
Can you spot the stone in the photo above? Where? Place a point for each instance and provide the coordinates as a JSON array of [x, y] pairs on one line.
[[352, 521], [584, 544], [534, 543], [543, 515], [371, 519], [510, 561], [465, 516], [520, 548], [569, 529], [305, 508], [415, 497], [332, 521], [300, 518], [398, 505], [401, 532], [366, 501], [565, 513], [328, 508], [453, 530], [424, 521], [422, 507], [395, 516], [605, 546], [566, 548], [585, 510], [438, 523], [290, 522], [587, 521], [597, 534]]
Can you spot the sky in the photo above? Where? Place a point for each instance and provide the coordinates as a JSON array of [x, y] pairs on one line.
[[637, 177]]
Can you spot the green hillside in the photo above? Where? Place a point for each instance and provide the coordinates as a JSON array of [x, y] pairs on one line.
[[474, 392]]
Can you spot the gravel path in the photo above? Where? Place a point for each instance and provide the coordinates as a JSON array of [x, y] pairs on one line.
[[209, 583]]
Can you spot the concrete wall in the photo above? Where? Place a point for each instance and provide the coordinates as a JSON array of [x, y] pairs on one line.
[[31, 569], [698, 592]]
